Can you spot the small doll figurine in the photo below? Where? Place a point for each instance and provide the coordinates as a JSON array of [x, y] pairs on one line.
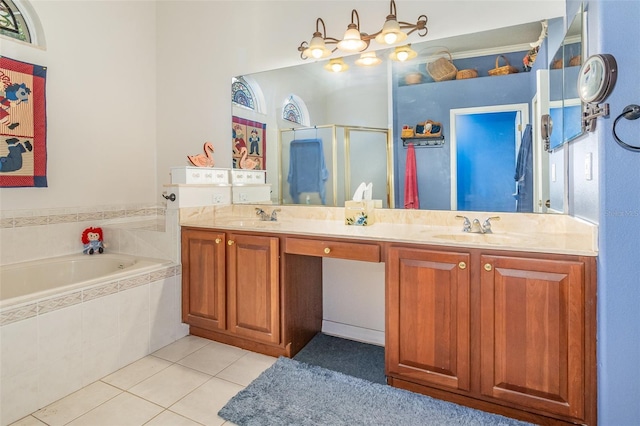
[[92, 240]]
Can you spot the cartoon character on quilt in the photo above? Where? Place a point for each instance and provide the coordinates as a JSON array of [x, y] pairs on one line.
[[254, 141], [13, 160], [14, 94]]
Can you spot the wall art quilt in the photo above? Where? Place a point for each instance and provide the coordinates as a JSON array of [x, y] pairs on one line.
[[23, 124], [249, 142]]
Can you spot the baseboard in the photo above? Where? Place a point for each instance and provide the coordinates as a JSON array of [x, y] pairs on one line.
[[359, 334]]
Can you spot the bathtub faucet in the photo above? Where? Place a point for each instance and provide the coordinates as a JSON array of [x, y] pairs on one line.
[[264, 216]]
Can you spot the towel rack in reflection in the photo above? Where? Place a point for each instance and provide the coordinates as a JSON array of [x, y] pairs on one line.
[[424, 141]]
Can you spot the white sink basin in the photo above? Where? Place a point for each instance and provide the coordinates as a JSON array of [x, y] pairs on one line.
[[481, 238]]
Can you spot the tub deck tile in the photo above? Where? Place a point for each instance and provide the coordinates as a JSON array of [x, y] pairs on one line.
[[162, 274], [100, 291], [134, 282], [60, 302], [18, 314]]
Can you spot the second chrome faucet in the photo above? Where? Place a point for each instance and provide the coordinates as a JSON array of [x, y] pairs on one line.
[[264, 216], [476, 227]]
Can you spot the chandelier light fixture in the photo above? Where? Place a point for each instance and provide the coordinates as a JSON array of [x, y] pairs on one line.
[[336, 65], [368, 59], [354, 40], [403, 53]]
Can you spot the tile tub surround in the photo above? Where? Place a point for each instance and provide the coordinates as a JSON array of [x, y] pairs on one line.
[[147, 231], [546, 233], [56, 346]]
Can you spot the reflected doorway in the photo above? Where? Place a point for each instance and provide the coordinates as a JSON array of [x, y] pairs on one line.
[[484, 147]]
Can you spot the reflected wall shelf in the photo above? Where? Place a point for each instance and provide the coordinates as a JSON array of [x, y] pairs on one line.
[[424, 141]]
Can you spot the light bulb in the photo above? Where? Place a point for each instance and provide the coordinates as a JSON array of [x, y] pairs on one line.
[[403, 56], [317, 53], [336, 67], [390, 38], [352, 41]]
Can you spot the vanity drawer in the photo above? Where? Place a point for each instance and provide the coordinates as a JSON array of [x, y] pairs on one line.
[[331, 248]]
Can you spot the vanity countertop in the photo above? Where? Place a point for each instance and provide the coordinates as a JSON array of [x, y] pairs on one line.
[[559, 234]]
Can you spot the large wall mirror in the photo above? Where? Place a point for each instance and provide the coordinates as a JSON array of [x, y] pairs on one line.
[[565, 107], [323, 104]]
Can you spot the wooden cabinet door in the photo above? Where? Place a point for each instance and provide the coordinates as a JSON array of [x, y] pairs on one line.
[[428, 317], [532, 325], [254, 287], [203, 279]]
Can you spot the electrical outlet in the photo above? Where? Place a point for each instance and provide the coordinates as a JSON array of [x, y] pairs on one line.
[[588, 166]]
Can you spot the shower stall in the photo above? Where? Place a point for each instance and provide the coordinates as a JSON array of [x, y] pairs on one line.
[[323, 165]]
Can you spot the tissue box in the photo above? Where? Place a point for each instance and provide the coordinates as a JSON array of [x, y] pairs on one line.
[[359, 213]]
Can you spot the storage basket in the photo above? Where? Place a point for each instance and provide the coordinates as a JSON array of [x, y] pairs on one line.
[[407, 132], [575, 61], [442, 69], [556, 64], [463, 74], [413, 78], [503, 70]]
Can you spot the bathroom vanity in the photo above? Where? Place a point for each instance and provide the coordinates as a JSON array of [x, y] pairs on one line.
[[503, 322]]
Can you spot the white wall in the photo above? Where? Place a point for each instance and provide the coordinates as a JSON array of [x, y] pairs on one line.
[[101, 104]]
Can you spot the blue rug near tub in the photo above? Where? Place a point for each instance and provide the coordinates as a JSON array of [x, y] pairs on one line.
[[295, 393]]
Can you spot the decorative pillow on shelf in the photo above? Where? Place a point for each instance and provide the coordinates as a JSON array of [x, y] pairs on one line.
[[429, 128]]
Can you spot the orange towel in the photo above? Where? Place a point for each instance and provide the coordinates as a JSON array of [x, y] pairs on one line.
[[411, 200]]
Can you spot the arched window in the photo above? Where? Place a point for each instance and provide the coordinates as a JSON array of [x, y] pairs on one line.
[[295, 110], [20, 22], [12, 23], [242, 94]]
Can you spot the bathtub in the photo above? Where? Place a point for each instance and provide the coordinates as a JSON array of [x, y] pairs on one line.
[[68, 321], [42, 279]]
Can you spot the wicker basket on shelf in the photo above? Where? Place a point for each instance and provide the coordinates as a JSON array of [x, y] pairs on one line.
[[464, 74], [575, 61], [442, 69], [407, 132], [413, 78], [503, 70]]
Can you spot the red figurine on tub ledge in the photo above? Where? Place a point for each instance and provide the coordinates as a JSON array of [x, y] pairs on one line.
[[92, 240]]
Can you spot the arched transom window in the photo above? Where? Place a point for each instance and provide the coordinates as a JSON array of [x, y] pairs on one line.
[[295, 110], [242, 94], [12, 22]]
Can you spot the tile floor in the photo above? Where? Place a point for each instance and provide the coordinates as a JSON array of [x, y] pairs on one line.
[[184, 383]]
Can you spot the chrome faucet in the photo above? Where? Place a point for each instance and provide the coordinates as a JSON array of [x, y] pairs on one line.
[[476, 227], [466, 224], [486, 225], [264, 216]]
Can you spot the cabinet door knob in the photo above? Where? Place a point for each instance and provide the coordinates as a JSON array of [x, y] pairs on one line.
[[230, 242], [487, 267], [462, 265], [327, 250], [218, 240]]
